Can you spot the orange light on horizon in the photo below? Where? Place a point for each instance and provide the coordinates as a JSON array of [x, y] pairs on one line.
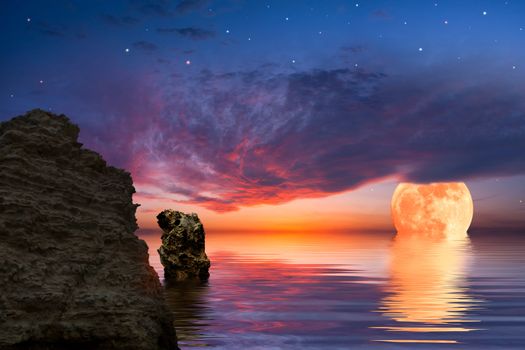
[[362, 209], [362, 253]]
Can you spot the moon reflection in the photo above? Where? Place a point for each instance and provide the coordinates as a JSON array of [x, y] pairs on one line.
[[426, 292]]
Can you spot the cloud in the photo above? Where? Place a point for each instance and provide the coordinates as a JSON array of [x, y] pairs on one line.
[[381, 14], [162, 60], [81, 35], [159, 8], [49, 29], [186, 6], [236, 139], [56, 30], [189, 32], [354, 49], [115, 110], [164, 8], [145, 46], [119, 20]]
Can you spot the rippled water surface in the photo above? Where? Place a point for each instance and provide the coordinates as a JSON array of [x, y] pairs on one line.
[[353, 291]]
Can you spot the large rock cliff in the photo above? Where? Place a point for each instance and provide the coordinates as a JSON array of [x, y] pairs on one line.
[[183, 250], [73, 275]]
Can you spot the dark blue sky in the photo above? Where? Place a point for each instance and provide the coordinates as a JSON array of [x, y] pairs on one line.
[[236, 103]]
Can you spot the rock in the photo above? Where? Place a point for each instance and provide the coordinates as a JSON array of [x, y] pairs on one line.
[[182, 251], [73, 274]]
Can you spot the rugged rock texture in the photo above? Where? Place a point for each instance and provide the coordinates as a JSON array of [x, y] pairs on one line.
[[72, 273], [182, 251]]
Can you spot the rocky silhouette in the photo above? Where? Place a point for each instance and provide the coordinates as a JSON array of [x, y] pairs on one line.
[[73, 274], [183, 250]]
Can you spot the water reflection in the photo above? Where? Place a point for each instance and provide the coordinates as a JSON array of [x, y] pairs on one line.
[[253, 303], [188, 301], [427, 290], [320, 290]]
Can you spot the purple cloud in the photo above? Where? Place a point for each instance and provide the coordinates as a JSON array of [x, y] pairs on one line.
[[244, 138]]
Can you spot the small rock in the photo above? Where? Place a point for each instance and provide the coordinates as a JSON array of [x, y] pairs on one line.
[[182, 251]]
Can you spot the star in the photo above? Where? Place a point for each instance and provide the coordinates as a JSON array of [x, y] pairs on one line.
[[521, 28], [445, 21], [435, 4], [286, 18], [41, 82], [320, 32], [356, 65], [126, 50], [420, 49], [521, 200], [249, 39], [293, 61], [188, 62], [28, 19], [513, 67], [12, 95], [227, 31], [405, 22], [484, 13], [356, 5]]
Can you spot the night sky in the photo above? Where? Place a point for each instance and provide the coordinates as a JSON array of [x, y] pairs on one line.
[[282, 113]]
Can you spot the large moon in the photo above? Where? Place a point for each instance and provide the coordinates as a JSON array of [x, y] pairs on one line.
[[436, 209]]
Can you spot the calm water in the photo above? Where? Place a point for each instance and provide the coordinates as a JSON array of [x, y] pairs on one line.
[[353, 291]]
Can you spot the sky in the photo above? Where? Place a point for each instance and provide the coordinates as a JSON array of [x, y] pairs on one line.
[[289, 115]]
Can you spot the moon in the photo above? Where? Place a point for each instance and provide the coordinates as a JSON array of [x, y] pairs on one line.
[[435, 209]]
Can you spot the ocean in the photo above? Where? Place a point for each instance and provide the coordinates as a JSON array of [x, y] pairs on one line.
[[348, 290]]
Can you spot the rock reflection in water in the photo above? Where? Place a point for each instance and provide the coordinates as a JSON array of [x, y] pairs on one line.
[[188, 301], [427, 292]]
